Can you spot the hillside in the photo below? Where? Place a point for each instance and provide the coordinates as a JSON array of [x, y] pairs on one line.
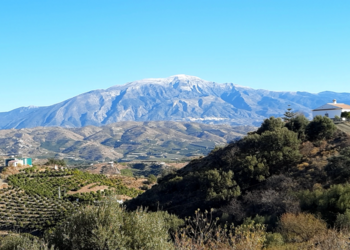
[[263, 175], [130, 140], [176, 98]]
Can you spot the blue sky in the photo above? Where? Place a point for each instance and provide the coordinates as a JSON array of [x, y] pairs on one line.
[[53, 50]]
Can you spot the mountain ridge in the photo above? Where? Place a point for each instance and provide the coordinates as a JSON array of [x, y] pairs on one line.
[[176, 98]]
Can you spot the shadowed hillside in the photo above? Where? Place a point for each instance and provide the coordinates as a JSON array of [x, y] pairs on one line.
[[259, 175]]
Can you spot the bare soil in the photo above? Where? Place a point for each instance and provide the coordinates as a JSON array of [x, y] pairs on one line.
[[132, 182], [87, 189], [177, 165]]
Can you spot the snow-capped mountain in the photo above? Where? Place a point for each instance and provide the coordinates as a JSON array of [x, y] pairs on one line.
[[176, 98]]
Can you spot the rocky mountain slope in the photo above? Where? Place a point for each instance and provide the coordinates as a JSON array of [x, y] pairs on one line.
[[176, 98], [133, 140]]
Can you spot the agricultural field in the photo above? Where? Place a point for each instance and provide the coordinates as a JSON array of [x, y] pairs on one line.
[[37, 200], [21, 211]]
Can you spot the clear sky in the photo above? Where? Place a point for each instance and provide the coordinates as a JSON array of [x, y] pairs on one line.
[[53, 50]]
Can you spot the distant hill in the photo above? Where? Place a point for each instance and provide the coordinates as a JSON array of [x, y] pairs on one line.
[[130, 140], [176, 98]]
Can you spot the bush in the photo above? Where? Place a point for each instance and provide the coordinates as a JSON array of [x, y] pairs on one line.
[[14, 242], [202, 231], [152, 179], [329, 203], [109, 226], [338, 167], [300, 227], [321, 127], [274, 239], [343, 220]]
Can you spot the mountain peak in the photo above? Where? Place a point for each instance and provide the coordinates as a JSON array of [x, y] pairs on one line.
[[179, 98], [185, 77]]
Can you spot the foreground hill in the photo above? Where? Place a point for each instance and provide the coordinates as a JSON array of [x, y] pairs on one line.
[[176, 98], [133, 139], [263, 175]]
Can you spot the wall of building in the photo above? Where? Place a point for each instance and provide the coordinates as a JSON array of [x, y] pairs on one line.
[[331, 113], [22, 161]]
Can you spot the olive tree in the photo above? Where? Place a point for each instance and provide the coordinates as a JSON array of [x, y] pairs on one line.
[[109, 226]]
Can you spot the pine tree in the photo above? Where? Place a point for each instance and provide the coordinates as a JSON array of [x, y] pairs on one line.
[[288, 115]]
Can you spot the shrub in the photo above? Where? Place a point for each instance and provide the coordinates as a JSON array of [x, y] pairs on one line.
[[321, 127], [202, 231], [339, 166], [300, 227], [343, 220], [109, 226], [152, 179], [24, 241], [274, 239]]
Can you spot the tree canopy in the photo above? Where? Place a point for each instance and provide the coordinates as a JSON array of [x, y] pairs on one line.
[[321, 127]]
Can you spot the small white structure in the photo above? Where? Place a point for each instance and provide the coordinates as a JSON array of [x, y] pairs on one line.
[[331, 109]]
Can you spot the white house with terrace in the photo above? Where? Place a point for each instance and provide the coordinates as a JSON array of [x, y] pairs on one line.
[[331, 109]]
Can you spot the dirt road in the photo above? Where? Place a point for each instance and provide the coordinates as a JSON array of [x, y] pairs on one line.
[[345, 127]]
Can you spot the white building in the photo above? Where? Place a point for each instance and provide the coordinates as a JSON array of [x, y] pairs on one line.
[[331, 109]]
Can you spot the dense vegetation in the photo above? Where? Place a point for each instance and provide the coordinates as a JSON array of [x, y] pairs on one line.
[[108, 226], [283, 167], [285, 186]]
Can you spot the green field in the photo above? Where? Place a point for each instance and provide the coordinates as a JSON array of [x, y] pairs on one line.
[[32, 200]]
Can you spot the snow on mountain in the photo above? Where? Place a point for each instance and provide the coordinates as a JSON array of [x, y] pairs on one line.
[[176, 98]]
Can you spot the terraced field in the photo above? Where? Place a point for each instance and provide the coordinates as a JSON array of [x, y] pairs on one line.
[[31, 212], [33, 201]]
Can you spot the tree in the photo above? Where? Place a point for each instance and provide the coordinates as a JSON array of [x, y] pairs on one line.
[[269, 153], [321, 127], [345, 114], [338, 167], [288, 115], [298, 124], [270, 124]]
